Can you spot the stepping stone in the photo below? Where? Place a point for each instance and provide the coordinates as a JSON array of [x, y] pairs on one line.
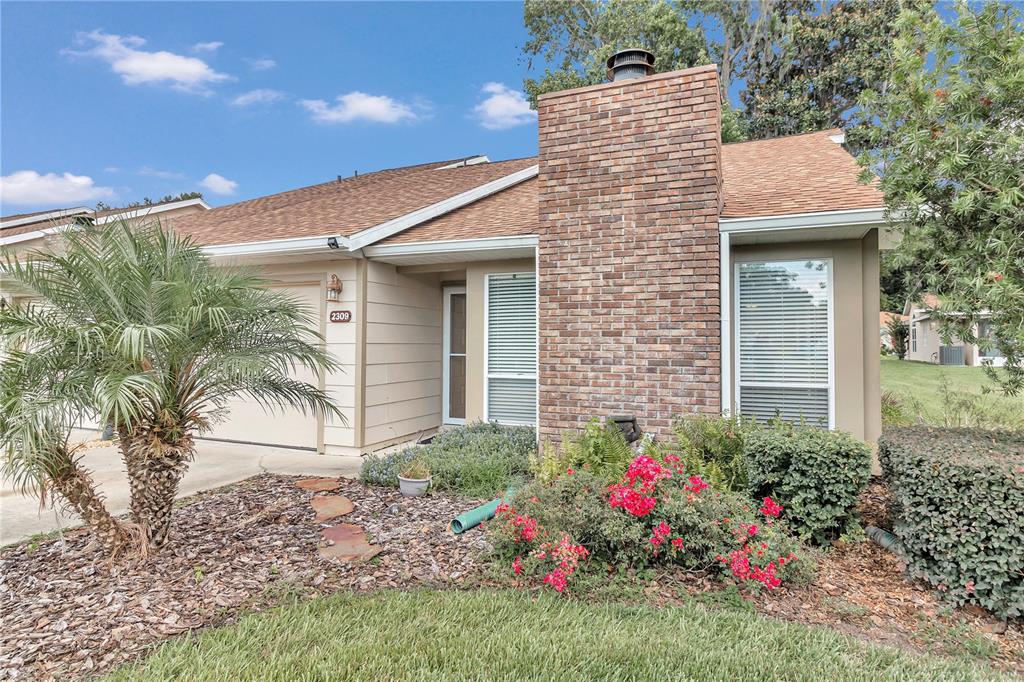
[[318, 485], [330, 506], [349, 543]]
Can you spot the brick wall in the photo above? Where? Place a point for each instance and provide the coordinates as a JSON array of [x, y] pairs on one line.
[[630, 186]]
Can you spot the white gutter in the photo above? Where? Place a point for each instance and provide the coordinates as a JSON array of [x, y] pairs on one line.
[[800, 221], [280, 246], [386, 229], [465, 246]]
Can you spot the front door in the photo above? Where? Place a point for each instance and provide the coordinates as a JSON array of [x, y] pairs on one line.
[[454, 361]]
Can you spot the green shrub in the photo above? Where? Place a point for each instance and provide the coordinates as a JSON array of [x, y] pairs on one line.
[[816, 474], [959, 510], [712, 447], [600, 449], [713, 527], [478, 460]]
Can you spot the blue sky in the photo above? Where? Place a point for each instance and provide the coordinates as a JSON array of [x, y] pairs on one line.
[[116, 101]]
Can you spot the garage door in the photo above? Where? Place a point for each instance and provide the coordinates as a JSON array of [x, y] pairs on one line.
[[248, 422]]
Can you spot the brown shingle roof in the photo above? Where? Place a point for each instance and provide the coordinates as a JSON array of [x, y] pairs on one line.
[[805, 173], [508, 213], [797, 174], [341, 207]]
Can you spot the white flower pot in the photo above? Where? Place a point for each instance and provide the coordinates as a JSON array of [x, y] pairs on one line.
[[413, 487]]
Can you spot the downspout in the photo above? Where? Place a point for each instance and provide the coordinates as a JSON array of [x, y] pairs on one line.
[[725, 306]]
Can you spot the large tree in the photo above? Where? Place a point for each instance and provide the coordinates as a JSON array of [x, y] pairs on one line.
[[133, 326], [949, 147], [799, 64], [804, 63]]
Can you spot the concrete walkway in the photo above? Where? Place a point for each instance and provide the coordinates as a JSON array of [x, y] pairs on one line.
[[216, 464]]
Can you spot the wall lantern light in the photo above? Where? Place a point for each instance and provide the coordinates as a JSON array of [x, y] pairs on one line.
[[334, 289]]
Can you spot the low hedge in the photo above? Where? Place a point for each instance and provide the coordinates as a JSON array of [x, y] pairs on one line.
[[816, 474], [959, 509], [481, 459]]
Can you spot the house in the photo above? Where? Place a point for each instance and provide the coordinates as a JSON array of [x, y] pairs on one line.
[[636, 267], [29, 231], [926, 344], [884, 320]]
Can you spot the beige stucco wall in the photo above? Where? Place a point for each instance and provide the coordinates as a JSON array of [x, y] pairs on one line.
[[856, 361], [402, 395], [475, 293]]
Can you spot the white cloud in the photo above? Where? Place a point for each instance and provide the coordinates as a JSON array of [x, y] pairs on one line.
[[218, 184], [29, 187], [211, 46], [138, 67], [358, 106], [503, 108], [261, 64], [259, 96]]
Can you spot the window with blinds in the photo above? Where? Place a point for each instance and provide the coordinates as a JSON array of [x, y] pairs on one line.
[[511, 361], [784, 348]]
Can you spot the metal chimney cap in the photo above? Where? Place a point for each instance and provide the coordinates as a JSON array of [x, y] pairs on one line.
[[634, 62]]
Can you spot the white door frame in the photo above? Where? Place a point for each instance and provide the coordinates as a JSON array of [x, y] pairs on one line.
[[446, 346]]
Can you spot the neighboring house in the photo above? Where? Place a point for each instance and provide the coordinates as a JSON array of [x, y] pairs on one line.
[[926, 345], [29, 231], [884, 319], [636, 267]]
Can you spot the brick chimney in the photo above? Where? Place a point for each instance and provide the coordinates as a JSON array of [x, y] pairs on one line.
[[630, 187]]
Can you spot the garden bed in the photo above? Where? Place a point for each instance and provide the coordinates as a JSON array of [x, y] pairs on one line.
[[65, 612]]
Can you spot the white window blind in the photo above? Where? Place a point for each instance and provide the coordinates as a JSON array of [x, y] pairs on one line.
[[784, 340], [512, 348]]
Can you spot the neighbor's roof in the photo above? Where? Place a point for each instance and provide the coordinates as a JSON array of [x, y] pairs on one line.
[[806, 173], [343, 207], [11, 226], [885, 318]]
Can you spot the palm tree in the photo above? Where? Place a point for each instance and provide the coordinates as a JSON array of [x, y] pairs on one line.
[[141, 331]]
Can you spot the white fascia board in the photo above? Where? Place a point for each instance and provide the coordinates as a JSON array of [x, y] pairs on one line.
[[29, 236], [384, 230], [798, 221], [280, 246], [451, 246], [41, 217], [143, 211], [471, 161]]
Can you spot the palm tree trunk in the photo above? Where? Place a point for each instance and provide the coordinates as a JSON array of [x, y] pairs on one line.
[[155, 469], [77, 487]]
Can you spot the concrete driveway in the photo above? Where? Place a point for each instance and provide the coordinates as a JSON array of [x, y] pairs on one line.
[[216, 464]]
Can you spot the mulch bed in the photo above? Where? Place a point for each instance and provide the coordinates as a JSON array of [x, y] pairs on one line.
[[65, 612]]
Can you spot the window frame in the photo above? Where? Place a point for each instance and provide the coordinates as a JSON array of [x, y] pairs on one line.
[[737, 364], [487, 375]]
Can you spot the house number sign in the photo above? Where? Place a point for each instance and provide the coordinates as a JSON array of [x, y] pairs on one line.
[[341, 316]]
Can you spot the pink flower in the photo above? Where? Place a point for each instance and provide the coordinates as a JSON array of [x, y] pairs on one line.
[[517, 565], [677, 543], [557, 579], [697, 484], [662, 529], [770, 507]]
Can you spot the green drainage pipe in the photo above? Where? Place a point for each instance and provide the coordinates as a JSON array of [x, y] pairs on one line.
[[474, 517], [883, 538]]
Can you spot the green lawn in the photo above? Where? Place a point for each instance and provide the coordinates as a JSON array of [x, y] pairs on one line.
[[919, 384], [482, 635]]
